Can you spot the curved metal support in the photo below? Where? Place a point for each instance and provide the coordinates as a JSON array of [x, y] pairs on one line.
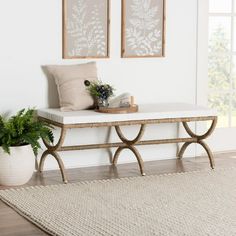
[[42, 160], [203, 136], [182, 149], [199, 140], [59, 161], [59, 143], [51, 150], [209, 153], [129, 144], [135, 152], [109, 152], [206, 148]]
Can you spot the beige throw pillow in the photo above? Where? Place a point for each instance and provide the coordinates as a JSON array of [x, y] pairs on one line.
[[69, 79]]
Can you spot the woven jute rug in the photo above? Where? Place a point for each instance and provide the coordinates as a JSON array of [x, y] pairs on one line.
[[194, 203]]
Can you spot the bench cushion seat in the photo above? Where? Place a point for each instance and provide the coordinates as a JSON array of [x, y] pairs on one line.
[[146, 112]]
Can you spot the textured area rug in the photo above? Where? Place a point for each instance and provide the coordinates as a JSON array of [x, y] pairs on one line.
[[194, 203]]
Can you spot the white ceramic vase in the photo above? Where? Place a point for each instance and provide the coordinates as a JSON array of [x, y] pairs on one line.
[[18, 167]]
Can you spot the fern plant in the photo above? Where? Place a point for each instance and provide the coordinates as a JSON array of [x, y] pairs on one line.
[[22, 129]]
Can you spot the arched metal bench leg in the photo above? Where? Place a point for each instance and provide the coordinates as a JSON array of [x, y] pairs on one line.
[[59, 162], [182, 150], [129, 144], [209, 153], [42, 160], [59, 143], [109, 152], [135, 152], [199, 139], [51, 150]]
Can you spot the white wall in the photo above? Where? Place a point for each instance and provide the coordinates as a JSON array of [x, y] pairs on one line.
[[30, 37]]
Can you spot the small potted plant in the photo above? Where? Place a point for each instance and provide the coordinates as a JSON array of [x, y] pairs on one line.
[[19, 144], [100, 91]]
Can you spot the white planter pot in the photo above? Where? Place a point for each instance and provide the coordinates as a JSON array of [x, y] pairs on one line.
[[18, 167]]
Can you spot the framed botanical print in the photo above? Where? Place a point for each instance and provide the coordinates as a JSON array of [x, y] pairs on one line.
[[86, 28], [143, 28]]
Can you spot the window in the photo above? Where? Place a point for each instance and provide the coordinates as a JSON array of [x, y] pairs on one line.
[[222, 60]]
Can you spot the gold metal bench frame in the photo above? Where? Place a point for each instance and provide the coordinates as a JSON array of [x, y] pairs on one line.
[[128, 144]]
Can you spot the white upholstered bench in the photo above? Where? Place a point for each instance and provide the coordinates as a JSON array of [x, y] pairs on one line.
[[148, 114]]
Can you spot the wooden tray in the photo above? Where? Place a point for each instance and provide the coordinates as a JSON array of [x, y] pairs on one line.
[[118, 110]]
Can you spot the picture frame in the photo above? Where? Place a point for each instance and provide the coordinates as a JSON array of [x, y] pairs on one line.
[[143, 28], [86, 29]]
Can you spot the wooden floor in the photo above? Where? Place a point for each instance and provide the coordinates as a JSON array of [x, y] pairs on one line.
[[12, 224]]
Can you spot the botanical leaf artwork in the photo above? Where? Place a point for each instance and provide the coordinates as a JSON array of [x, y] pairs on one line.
[[143, 27], [86, 28]]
